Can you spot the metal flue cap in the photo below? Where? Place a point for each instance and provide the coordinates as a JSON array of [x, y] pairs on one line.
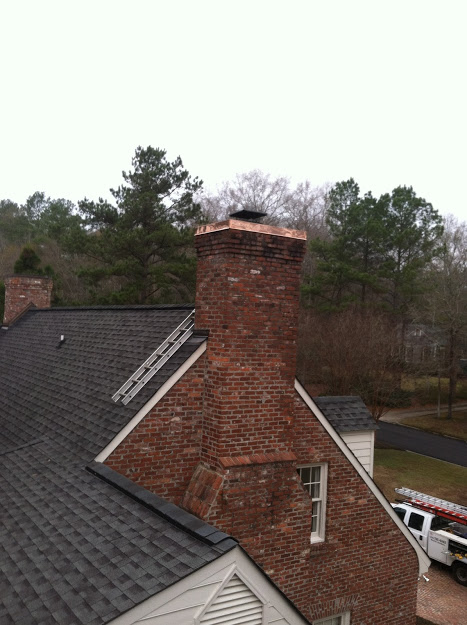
[[248, 215]]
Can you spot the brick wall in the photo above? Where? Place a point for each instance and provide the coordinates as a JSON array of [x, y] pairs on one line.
[[20, 291], [365, 562], [161, 453]]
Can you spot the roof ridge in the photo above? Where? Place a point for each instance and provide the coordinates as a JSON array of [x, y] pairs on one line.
[[169, 511], [118, 308]]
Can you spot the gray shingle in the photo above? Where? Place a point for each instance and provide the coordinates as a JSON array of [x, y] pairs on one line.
[[64, 387], [346, 414], [76, 548]]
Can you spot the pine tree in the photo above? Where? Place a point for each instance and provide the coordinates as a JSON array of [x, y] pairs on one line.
[[143, 241]]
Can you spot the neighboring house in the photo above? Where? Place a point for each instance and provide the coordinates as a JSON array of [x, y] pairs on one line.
[[217, 491], [425, 346]]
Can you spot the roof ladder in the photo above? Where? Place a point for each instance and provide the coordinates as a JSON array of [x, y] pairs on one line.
[[440, 507], [156, 360]]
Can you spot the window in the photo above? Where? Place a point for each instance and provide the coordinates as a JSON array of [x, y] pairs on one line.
[[314, 480], [400, 513], [416, 521], [438, 523], [341, 619]]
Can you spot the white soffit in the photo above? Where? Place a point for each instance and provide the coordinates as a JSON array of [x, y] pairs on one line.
[[139, 416], [423, 560]]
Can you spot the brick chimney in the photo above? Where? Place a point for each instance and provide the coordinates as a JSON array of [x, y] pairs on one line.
[[22, 290], [247, 296], [246, 482]]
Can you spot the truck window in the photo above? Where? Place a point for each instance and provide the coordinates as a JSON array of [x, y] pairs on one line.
[[438, 523], [416, 521], [400, 513]]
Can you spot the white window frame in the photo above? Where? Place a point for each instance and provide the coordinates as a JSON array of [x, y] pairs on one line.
[[331, 620], [319, 503]]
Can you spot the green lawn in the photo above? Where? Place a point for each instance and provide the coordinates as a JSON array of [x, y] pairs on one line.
[[456, 427], [394, 468]]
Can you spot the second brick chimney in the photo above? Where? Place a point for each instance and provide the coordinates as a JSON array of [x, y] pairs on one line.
[[22, 290]]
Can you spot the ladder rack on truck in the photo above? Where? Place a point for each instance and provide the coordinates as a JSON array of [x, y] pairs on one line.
[[439, 527], [439, 507]]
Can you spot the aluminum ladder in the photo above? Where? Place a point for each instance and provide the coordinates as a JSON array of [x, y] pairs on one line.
[[435, 505], [156, 360]]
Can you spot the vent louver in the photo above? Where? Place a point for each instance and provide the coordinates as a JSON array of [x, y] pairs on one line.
[[236, 604]]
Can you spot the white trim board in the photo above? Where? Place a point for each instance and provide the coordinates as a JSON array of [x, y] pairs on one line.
[[423, 560], [149, 405]]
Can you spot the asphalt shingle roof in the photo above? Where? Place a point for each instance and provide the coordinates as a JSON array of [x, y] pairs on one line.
[[66, 387], [78, 542], [346, 414]]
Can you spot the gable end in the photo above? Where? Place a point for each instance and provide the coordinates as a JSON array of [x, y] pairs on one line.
[[423, 560]]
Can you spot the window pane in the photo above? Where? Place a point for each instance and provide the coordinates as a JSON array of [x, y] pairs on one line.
[[315, 510], [315, 474], [314, 524], [314, 491], [305, 475]]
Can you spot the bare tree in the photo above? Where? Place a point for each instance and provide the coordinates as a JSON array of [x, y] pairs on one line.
[[303, 207], [252, 190], [353, 352], [307, 209]]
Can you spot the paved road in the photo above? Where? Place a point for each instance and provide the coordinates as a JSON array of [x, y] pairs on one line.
[[424, 443]]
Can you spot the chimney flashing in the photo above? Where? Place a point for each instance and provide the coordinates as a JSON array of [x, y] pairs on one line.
[[249, 226], [7, 323]]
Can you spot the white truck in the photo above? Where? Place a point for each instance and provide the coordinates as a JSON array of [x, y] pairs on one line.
[[440, 527]]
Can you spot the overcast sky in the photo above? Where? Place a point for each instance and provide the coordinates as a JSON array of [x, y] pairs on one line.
[[317, 90]]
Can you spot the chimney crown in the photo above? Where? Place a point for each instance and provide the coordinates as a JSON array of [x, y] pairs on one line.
[[250, 226]]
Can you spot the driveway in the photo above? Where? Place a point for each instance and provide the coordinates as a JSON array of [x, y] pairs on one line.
[[410, 439], [441, 600]]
